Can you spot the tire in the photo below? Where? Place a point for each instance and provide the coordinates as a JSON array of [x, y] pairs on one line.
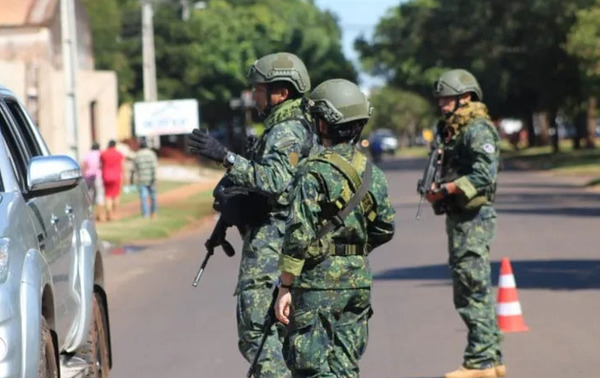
[[47, 367], [96, 351]]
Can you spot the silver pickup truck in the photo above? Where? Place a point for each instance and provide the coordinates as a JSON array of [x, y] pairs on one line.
[[53, 306]]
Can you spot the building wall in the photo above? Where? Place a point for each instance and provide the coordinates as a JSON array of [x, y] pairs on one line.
[[46, 103], [31, 66], [12, 76]]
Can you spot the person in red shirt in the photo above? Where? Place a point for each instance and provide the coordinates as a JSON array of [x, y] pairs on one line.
[[111, 161]]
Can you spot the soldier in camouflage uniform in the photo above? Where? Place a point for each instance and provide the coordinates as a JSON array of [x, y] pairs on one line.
[[279, 81], [325, 284], [470, 162]]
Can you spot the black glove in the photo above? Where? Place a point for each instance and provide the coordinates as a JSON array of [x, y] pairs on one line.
[[201, 143]]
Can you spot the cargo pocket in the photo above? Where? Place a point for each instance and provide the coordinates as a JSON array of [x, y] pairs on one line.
[[308, 343]]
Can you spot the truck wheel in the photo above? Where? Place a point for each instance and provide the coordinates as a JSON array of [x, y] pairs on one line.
[[97, 348], [47, 367]]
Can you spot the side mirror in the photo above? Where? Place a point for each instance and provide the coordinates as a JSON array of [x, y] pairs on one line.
[[52, 173]]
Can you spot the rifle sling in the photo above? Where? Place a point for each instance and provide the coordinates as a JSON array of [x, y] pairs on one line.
[[338, 219]]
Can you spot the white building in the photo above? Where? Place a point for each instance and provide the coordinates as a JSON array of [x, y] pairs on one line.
[[31, 66]]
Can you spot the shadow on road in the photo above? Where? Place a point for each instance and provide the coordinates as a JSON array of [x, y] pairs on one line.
[[532, 274], [567, 203], [562, 211]]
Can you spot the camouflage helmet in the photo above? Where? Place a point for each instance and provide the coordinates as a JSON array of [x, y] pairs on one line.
[[457, 82], [280, 67], [339, 101]]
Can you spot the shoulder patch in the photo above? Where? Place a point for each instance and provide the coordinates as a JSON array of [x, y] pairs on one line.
[[294, 158], [489, 148]]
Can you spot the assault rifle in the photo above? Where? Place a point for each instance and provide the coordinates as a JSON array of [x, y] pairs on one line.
[[217, 238], [432, 171]]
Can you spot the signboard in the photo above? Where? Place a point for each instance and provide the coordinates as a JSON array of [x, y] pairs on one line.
[[165, 117]]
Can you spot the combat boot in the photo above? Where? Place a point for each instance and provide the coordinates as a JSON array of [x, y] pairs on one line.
[[500, 370], [463, 372]]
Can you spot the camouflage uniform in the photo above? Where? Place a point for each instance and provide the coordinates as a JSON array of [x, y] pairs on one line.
[[269, 168], [331, 294], [471, 159]]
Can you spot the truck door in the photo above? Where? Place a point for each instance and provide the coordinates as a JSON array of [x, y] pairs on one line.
[[52, 213]]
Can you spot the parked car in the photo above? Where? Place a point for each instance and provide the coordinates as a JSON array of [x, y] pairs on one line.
[[53, 306], [385, 140]]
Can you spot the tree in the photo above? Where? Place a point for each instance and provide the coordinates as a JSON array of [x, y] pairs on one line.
[[407, 113], [584, 43], [207, 57], [515, 49]]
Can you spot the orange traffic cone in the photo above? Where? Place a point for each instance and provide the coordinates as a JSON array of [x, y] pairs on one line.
[[508, 308]]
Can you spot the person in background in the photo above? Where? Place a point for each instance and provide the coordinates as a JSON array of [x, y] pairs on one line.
[[111, 161], [143, 175], [92, 176]]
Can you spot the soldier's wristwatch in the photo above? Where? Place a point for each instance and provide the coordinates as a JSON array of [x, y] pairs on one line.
[[229, 159]]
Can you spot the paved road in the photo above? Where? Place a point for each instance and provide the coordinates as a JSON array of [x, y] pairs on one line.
[[548, 226]]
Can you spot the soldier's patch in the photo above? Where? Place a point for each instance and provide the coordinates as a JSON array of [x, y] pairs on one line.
[[489, 148], [294, 158]]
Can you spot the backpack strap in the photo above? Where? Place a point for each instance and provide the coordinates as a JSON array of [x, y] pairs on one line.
[[360, 187]]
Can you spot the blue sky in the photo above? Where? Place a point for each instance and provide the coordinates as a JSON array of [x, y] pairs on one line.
[[357, 17]]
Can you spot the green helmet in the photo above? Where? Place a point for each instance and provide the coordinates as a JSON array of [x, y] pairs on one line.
[[280, 67], [339, 101], [455, 83]]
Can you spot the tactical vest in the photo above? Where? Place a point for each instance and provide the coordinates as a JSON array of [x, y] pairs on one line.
[[244, 207], [354, 193], [457, 162]]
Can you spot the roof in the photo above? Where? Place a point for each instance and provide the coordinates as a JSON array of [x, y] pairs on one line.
[[26, 12]]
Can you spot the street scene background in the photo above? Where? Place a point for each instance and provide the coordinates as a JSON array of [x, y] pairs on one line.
[[163, 327], [538, 65]]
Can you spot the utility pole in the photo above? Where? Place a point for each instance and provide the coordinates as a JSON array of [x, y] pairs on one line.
[[184, 7], [70, 67], [149, 62]]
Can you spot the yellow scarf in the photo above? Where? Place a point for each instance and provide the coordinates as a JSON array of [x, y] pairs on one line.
[[465, 114]]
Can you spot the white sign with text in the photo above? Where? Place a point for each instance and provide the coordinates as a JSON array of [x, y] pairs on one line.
[[165, 117]]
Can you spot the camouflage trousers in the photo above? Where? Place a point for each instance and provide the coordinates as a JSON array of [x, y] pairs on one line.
[[252, 308], [328, 332], [256, 283], [469, 239]]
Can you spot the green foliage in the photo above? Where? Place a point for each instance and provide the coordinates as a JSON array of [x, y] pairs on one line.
[[207, 57], [404, 112], [515, 49], [583, 42], [172, 218]]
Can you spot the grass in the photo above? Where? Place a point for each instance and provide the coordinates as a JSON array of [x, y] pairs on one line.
[[566, 161], [161, 187], [171, 219], [412, 152]]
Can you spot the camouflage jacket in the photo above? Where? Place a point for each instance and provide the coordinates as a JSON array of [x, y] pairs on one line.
[[471, 154], [316, 186], [273, 158]]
